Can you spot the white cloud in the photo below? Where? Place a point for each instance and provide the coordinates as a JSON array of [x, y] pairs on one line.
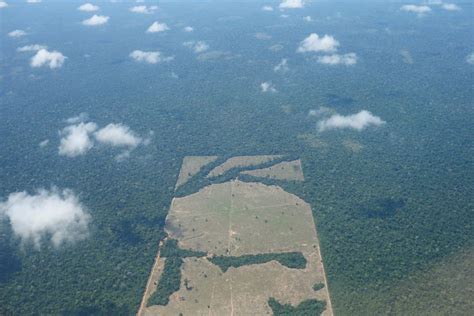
[[47, 213], [197, 47], [157, 27], [358, 121], [262, 36], [44, 143], [307, 18], [149, 57], [76, 139], [3, 4], [88, 7], [419, 9], [143, 9], [276, 47], [78, 119], [267, 8], [33, 1], [470, 59], [188, 29], [282, 66], [451, 7], [292, 4], [118, 135], [337, 59], [267, 87], [31, 48], [322, 111], [314, 43], [96, 20], [17, 33], [43, 57]]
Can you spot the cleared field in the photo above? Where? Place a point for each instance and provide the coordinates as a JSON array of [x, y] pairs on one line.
[[238, 218], [191, 166], [235, 219], [286, 170], [240, 161]]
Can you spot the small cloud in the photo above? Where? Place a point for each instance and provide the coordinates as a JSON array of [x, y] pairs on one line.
[[157, 27], [307, 18], [267, 87], [215, 54], [470, 59], [96, 20], [88, 7], [54, 214], [44, 143], [33, 1], [3, 4], [418, 9], [267, 8], [292, 4], [117, 135], [143, 9], [314, 43], [197, 47], [31, 48], [17, 33], [358, 121], [188, 29], [43, 57], [149, 57], [262, 36], [78, 119], [337, 59], [322, 111], [282, 66], [76, 139], [450, 7], [406, 57], [276, 47]]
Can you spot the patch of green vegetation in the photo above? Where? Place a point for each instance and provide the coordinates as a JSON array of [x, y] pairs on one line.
[[294, 260], [308, 307], [170, 282], [318, 286], [170, 248]]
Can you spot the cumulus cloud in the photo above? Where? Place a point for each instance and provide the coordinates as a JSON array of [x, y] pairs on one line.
[[267, 8], [282, 66], [314, 43], [31, 48], [118, 135], [143, 9], [188, 29], [322, 111], [33, 1], [267, 87], [418, 9], [3, 4], [337, 59], [44, 143], [358, 121], [54, 214], [96, 20], [52, 59], [76, 139], [88, 7], [78, 119], [157, 27], [470, 59], [292, 4], [149, 57], [197, 47], [17, 33], [307, 18], [450, 7]]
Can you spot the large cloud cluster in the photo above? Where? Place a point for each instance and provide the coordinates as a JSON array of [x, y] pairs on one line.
[[326, 44], [52, 59], [53, 214], [79, 137], [149, 57], [358, 121]]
